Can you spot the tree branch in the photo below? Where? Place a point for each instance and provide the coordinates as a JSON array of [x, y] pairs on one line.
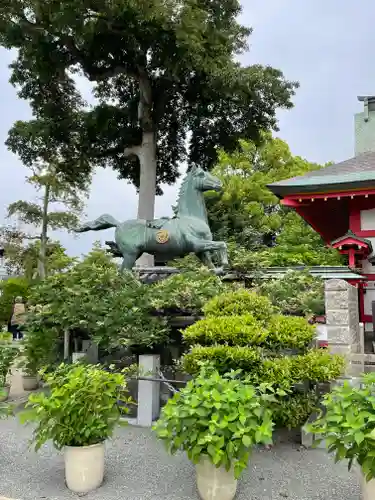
[[133, 151]]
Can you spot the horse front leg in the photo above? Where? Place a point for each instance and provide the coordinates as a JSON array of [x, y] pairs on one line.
[[206, 259], [204, 246]]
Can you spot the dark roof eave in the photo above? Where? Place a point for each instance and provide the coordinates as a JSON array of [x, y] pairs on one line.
[[284, 190]]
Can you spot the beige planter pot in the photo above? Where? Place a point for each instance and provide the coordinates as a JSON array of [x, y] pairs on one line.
[[215, 483], [78, 356], [368, 489], [30, 383], [4, 393], [84, 467]]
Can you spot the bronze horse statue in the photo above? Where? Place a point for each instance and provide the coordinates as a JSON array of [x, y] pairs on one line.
[[168, 238]]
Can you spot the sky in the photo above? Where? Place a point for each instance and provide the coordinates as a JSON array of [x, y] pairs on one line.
[[325, 45]]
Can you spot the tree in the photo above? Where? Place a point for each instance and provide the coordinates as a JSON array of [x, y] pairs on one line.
[[55, 190], [160, 69], [249, 217]]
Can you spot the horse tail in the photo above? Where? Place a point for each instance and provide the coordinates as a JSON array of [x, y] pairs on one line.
[[105, 221]]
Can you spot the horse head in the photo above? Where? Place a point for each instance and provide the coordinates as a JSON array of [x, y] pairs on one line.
[[204, 181]]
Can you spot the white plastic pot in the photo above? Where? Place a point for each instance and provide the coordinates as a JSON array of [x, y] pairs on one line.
[[84, 467], [30, 383], [215, 483], [368, 489], [4, 393]]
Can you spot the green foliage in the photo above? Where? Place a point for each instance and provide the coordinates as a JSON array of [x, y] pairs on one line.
[[347, 424], [249, 216], [156, 67], [111, 307], [55, 192], [10, 289], [224, 358], [231, 330], [80, 409], [8, 355], [293, 410], [40, 346], [298, 244], [188, 291], [240, 302], [290, 332], [218, 417], [316, 365], [297, 292]]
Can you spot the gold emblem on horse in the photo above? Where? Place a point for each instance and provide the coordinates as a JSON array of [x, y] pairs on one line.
[[162, 236]]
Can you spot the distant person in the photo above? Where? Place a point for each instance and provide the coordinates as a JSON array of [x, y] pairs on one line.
[[18, 318]]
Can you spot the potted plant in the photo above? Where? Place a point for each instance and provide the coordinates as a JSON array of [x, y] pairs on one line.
[[79, 413], [8, 355], [217, 420], [347, 426]]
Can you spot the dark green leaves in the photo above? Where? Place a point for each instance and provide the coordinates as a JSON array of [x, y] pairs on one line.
[[185, 51]]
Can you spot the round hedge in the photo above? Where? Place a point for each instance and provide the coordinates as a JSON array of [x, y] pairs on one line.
[[232, 330], [240, 302]]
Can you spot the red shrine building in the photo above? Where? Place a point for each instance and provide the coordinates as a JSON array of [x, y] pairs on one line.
[[338, 201]]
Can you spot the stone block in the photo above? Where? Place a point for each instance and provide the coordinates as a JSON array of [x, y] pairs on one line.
[[337, 317], [336, 299], [342, 349], [338, 334], [337, 285]]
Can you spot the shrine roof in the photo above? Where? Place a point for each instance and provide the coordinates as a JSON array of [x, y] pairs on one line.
[[351, 235], [357, 172]]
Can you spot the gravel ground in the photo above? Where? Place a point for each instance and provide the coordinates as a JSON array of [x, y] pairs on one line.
[[138, 468]]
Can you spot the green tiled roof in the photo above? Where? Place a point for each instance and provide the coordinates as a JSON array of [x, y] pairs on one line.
[[356, 172], [325, 272]]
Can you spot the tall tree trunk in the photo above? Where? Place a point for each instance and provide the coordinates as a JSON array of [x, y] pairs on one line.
[[43, 237], [147, 159]]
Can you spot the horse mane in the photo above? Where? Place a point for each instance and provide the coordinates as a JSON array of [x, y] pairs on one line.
[[184, 184]]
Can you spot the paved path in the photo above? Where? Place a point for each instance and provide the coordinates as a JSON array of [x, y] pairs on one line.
[[138, 468]]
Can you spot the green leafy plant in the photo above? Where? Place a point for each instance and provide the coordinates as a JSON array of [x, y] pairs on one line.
[[289, 332], [239, 302], [293, 410], [232, 330], [8, 355], [10, 289], [283, 371], [223, 357], [297, 292], [111, 308], [347, 424], [219, 417], [188, 291], [81, 408]]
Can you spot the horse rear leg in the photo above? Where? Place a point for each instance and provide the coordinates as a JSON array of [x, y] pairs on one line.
[[129, 260]]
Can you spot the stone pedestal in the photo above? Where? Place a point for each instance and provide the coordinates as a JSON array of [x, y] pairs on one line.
[[148, 392], [343, 327]]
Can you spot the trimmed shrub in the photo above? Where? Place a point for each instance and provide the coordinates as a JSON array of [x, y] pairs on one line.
[[232, 330], [188, 291], [240, 302], [317, 365], [290, 332], [292, 411], [223, 357], [284, 372]]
